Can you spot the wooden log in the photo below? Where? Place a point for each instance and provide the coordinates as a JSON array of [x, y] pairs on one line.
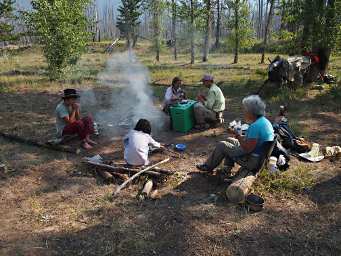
[[3, 170], [237, 191], [30, 142], [147, 188], [122, 169], [163, 171], [138, 174], [154, 194], [105, 175]]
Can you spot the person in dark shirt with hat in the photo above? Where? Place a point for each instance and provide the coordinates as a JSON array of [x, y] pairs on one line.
[[69, 121]]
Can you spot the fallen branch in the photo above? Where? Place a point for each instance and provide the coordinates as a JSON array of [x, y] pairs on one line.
[[163, 171], [30, 142], [105, 175], [122, 169], [109, 49], [109, 175], [138, 174]]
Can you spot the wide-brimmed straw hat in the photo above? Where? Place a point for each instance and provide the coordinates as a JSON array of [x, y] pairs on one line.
[[70, 93]]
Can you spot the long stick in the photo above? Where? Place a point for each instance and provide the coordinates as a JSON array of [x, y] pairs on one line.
[[120, 169], [137, 174]]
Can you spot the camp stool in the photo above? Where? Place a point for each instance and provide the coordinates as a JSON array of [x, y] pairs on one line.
[[267, 149]]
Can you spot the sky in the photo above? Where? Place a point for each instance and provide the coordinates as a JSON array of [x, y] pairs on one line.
[[100, 3]]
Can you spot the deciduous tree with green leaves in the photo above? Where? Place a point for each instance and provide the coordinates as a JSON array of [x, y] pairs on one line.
[[6, 15], [61, 27]]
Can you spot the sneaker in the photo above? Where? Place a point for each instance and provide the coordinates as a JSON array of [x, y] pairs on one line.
[[202, 167]]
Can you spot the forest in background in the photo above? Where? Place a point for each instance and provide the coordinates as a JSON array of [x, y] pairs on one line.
[[282, 26]]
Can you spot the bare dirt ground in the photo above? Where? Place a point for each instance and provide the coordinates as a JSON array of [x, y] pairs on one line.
[[52, 204]]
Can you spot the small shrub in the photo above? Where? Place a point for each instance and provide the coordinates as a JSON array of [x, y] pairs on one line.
[[61, 29]]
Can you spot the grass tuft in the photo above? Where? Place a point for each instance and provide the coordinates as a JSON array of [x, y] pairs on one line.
[[294, 181]]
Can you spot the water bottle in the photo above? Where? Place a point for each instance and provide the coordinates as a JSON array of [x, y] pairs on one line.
[[96, 132], [272, 165]]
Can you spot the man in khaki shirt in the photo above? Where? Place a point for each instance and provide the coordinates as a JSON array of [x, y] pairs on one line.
[[209, 109]]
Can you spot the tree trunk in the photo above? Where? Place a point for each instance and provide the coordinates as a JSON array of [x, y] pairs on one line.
[[135, 40], [174, 14], [207, 31], [260, 18], [130, 46], [283, 14], [156, 17], [236, 29], [217, 32], [267, 28], [192, 31]]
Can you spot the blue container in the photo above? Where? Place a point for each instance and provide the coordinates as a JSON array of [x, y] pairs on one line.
[[180, 147]]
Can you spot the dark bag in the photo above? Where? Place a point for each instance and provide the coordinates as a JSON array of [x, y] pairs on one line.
[[289, 140]]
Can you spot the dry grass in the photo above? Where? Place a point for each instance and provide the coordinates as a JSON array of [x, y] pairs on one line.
[[296, 180], [54, 205]]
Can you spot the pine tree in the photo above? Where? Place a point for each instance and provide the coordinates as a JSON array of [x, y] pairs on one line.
[[128, 19], [156, 8], [6, 15], [190, 12], [174, 6], [240, 26], [207, 32], [267, 29]]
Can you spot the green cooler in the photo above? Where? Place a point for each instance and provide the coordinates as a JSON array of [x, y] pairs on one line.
[[183, 116]]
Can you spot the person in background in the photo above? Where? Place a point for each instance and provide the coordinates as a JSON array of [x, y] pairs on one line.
[[137, 142], [243, 150], [69, 121], [173, 94], [209, 110], [282, 115]]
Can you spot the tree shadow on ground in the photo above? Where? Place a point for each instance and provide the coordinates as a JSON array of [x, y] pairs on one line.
[[187, 221], [327, 192]]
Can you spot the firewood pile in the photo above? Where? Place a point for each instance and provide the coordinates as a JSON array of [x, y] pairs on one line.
[[119, 172]]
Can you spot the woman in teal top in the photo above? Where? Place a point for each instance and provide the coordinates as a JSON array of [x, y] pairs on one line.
[[243, 149]]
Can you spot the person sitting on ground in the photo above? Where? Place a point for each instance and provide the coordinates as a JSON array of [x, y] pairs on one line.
[[209, 110], [243, 150], [69, 121], [173, 94], [136, 144]]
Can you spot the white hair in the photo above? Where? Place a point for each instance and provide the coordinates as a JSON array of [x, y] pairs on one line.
[[254, 105]]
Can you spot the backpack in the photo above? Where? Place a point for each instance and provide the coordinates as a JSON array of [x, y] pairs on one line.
[[289, 140]]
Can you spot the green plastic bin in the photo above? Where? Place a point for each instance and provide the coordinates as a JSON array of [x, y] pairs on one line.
[[183, 116]]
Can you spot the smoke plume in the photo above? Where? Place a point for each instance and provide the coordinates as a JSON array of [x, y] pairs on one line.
[[127, 80]]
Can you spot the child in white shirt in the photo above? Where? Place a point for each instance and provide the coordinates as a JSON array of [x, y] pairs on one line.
[[136, 144]]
